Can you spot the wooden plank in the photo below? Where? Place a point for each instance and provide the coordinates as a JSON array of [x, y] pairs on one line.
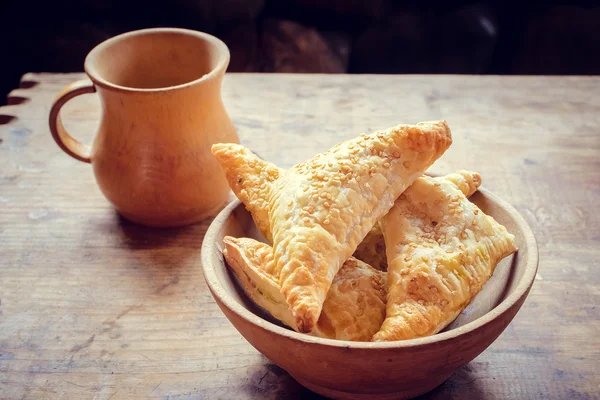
[[92, 306]]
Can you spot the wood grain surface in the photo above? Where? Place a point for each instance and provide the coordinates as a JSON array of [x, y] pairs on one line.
[[94, 307]]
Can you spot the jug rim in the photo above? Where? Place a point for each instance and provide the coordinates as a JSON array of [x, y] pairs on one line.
[[98, 80]]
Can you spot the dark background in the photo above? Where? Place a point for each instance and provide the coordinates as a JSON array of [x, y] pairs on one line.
[[333, 36]]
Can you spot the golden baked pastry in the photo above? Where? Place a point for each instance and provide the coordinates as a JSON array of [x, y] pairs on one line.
[[250, 179], [372, 249], [353, 309], [320, 210], [466, 181], [441, 249]]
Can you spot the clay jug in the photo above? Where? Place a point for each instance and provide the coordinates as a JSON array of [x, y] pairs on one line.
[[160, 91]]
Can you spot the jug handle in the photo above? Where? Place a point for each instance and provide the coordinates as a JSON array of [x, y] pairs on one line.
[[64, 140]]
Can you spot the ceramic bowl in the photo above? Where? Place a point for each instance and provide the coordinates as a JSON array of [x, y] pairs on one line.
[[382, 370]]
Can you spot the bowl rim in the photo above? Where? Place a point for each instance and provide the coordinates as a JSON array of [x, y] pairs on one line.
[[234, 306]]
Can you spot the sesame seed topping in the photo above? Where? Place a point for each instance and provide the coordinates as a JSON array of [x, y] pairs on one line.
[[326, 222]]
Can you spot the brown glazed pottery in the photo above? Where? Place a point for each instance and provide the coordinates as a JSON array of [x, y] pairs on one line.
[[160, 91], [382, 370]]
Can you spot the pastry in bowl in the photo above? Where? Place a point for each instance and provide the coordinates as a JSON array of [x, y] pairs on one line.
[[430, 246], [372, 249], [320, 210], [375, 370], [354, 308], [441, 250]]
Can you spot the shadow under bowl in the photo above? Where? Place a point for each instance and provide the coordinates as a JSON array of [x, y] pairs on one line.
[[380, 370]]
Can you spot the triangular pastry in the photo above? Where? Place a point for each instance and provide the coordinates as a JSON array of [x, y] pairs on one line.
[[250, 179], [441, 250], [320, 210], [353, 309], [372, 249]]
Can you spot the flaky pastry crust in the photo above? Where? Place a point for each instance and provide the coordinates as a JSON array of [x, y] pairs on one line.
[[441, 249], [320, 210], [372, 249], [250, 178], [353, 309]]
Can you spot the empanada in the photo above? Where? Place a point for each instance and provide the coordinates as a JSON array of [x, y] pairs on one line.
[[353, 309], [250, 179], [372, 249], [441, 249], [320, 210]]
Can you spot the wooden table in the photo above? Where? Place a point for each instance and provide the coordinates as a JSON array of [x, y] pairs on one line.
[[95, 307]]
